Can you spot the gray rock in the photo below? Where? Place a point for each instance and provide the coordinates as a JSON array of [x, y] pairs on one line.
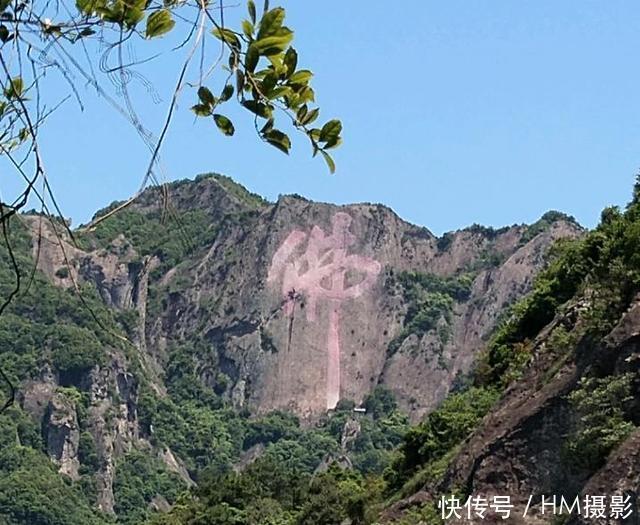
[[63, 435]]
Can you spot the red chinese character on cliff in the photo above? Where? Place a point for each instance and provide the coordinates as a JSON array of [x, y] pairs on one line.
[[319, 272]]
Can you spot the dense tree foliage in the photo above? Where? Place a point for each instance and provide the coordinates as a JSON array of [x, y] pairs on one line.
[[139, 479], [46, 324], [603, 264], [440, 432], [31, 490], [430, 299], [602, 409]]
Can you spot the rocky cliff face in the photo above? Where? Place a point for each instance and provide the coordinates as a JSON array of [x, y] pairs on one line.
[[300, 301], [303, 304], [63, 435], [299, 305]]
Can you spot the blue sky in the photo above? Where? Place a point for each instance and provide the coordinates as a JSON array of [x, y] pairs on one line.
[[455, 112]]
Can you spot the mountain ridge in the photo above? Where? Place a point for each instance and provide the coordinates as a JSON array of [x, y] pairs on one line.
[[222, 207], [229, 185], [215, 338], [384, 219]]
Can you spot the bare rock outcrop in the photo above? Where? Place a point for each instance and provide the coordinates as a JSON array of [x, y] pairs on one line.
[[298, 282], [63, 435], [252, 297]]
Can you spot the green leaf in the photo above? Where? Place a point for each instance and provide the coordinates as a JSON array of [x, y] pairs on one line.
[[88, 7], [159, 23], [251, 58], [201, 110], [306, 94], [15, 88], [293, 101], [260, 109], [329, 161], [301, 77], [133, 16], [226, 35], [109, 15], [252, 10], [224, 125], [4, 4], [272, 45], [277, 63], [310, 117], [333, 143], [206, 97], [331, 131], [133, 12], [87, 31], [268, 126], [278, 92], [271, 22], [315, 135], [278, 140], [291, 61], [247, 29], [227, 93], [268, 83]]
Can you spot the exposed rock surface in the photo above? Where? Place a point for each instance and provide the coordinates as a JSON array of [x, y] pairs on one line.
[[63, 435], [114, 422], [224, 295], [299, 304]]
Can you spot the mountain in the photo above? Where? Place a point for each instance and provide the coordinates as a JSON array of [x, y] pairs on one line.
[[565, 369], [413, 309], [202, 326]]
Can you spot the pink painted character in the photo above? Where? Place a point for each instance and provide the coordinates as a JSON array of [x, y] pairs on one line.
[[319, 273]]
